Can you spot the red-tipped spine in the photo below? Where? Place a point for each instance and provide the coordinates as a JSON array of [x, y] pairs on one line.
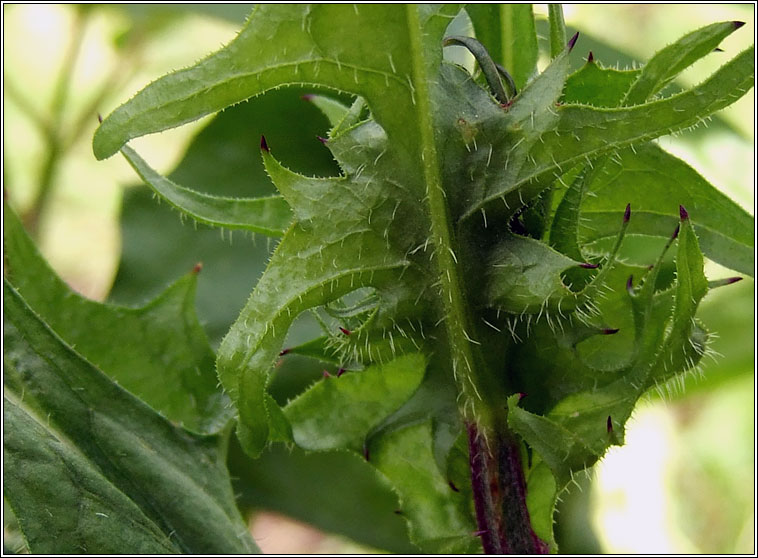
[[590, 58], [572, 41], [683, 215], [738, 24], [197, 268], [628, 213], [264, 145], [345, 331]]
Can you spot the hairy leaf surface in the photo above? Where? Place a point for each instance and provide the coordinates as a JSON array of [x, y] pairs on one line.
[[430, 241]]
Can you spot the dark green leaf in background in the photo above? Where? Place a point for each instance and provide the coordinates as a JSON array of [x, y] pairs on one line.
[[91, 469], [158, 351]]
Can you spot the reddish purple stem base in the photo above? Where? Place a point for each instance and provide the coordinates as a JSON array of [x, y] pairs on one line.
[[497, 478]]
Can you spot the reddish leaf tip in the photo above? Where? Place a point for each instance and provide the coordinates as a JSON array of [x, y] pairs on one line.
[[630, 285], [609, 330], [587, 265], [264, 145], [452, 486], [676, 233], [197, 268], [284, 352], [322, 140], [325, 374], [307, 97], [479, 533], [398, 512], [572, 41], [683, 215], [340, 372], [99, 118], [521, 395], [366, 453], [590, 58], [717, 49], [345, 331], [627, 212], [609, 424], [733, 280], [738, 24]]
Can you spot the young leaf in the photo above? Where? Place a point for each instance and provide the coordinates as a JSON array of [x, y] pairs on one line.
[[339, 412], [158, 351], [270, 215], [91, 469]]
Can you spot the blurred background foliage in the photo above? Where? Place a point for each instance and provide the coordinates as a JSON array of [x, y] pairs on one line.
[[685, 481]]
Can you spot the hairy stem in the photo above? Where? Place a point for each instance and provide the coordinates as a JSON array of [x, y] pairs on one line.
[[499, 487]]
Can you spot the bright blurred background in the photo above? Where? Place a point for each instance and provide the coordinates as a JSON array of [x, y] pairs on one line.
[[684, 482]]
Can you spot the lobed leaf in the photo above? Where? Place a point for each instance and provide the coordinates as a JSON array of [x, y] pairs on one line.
[[158, 351], [270, 215], [90, 468]]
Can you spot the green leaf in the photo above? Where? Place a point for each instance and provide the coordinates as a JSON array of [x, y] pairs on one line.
[[597, 86], [339, 412], [508, 32], [270, 216], [91, 469], [158, 351], [440, 519], [157, 247], [290, 480], [656, 183], [230, 76], [574, 426], [558, 137], [672, 60], [557, 29]]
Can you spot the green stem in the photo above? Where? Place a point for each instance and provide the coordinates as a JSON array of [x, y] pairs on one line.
[[557, 29], [457, 318]]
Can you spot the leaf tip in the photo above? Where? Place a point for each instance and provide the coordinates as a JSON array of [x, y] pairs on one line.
[[683, 215], [264, 145], [340, 372], [590, 58], [738, 24], [452, 486], [99, 118], [284, 351], [587, 265], [676, 233], [609, 330], [609, 425], [630, 285], [366, 453], [723, 282], [197, 268], [307, 97], [345, 330], [572, 41], [521, 395], [325, 374], [627, 212], [322, 140]]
